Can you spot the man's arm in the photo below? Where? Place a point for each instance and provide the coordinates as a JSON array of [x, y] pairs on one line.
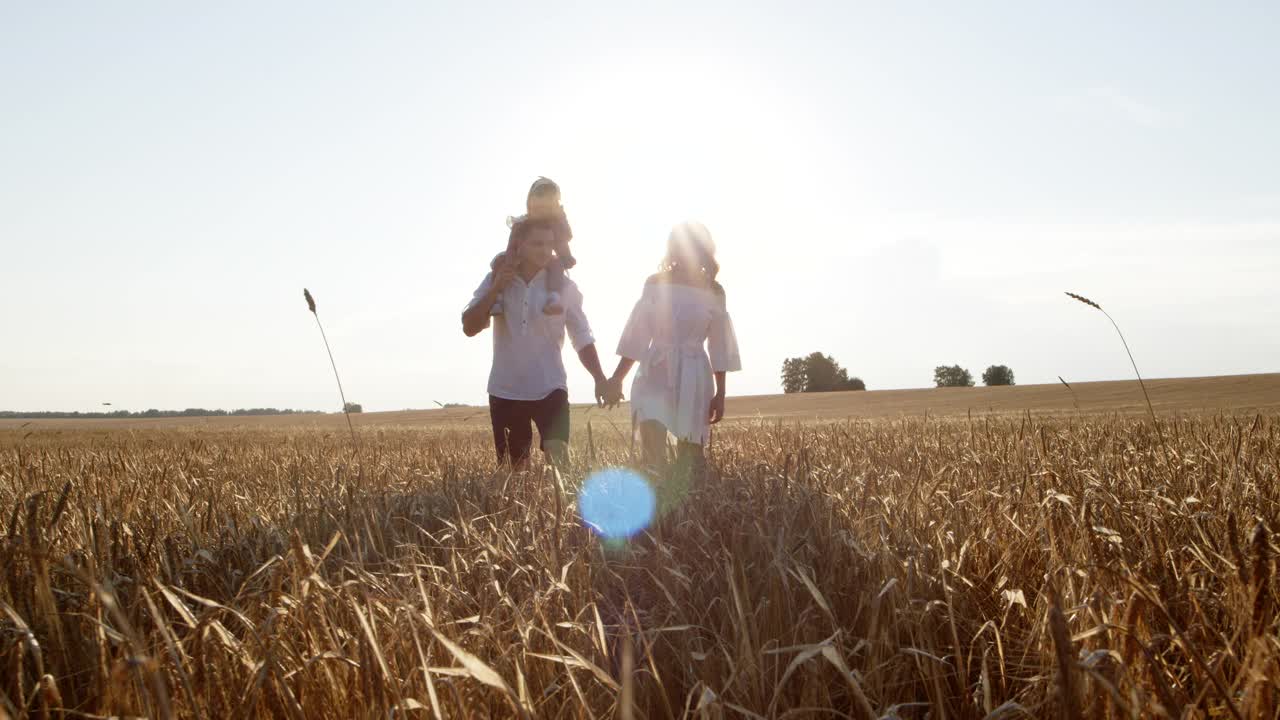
[[591, 361], [476, 317], [584, 341]]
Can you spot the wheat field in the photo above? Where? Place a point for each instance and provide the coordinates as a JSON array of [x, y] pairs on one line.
[[1000, 566]]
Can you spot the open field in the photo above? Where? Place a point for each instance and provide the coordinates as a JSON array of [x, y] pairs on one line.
[[1001, 567], [1240, 394]]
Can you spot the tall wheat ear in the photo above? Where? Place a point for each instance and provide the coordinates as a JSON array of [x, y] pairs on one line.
[[311, 305], [1150, 408]]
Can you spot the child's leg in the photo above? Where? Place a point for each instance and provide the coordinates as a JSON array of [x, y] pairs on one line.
[[555, 283], [565, 255], [563, 260], [555, 275], [563, 235]]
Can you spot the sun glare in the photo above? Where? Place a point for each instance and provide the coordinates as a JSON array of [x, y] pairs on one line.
[[617, 503]]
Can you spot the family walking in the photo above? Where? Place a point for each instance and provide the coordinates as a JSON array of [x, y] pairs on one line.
[[679, 332]]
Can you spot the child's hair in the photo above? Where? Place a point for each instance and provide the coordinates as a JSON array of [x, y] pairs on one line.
[[692, 239], [545, 191], [543, 187]]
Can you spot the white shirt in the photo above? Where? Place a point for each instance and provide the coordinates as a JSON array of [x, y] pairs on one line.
[[527, 343]]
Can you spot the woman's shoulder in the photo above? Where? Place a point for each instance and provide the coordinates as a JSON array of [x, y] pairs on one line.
[[662, 287], [655, 283], [666, 278]]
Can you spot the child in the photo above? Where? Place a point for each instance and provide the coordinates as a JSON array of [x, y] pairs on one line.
[[543, 203]]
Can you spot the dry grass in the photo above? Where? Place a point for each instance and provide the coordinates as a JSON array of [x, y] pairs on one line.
[[1002, 567]]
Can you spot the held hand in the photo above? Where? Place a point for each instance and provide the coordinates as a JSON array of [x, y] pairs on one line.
[[603, 389], [716, 413], [609, 393]]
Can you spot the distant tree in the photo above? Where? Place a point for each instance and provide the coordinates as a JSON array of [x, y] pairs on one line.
[[794, 375], [822, 373], [847, 383], [997, 375], [352, 408], [954, 376], [817, 373]]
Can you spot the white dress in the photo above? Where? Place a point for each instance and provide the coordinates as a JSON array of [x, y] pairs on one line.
[[666, 334]]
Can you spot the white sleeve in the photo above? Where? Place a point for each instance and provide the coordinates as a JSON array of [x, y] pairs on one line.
[[722, 342], [575, 320], [480, 291], [634, 343]]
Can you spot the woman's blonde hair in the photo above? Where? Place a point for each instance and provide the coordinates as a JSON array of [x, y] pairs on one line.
[[692, 239]]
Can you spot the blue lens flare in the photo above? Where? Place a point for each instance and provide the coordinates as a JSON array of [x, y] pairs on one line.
[[616, 503]]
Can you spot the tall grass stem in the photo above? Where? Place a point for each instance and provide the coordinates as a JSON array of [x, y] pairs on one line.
[[1150, 408], [311, 305]]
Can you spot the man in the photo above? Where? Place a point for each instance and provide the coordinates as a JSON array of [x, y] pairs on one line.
[[527, 382]]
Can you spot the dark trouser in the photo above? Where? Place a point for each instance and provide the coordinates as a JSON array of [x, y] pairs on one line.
[[512, 433]]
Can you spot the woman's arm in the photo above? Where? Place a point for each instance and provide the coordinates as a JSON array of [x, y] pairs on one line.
[[615, 382], [624, 366], [716, 413]]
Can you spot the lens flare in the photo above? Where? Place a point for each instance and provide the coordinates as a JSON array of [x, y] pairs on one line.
[[616, 503]]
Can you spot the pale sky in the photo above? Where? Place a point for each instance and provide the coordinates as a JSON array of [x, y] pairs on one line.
[[900, 185]]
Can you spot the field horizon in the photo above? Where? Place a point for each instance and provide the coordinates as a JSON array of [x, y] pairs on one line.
[[1236, 394]]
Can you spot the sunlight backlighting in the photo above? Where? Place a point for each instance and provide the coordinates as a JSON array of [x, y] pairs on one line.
[[617, 503]]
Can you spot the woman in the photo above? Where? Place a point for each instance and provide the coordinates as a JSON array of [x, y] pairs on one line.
[[680, 387]]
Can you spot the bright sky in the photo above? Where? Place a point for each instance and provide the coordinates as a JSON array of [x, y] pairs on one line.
[[901, 185]]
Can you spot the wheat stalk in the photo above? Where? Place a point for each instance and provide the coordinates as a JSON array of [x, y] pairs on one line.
[[311, 305], [1261, 577], [1151, 409], [1064, 654], [1073, 392]]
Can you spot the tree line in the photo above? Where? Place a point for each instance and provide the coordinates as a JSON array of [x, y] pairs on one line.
[[817, 372], [956, 376]]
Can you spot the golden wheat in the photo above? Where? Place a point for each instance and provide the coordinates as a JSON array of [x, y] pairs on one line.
[[863, 569]]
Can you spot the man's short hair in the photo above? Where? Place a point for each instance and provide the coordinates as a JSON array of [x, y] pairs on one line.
[[522, 228]]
